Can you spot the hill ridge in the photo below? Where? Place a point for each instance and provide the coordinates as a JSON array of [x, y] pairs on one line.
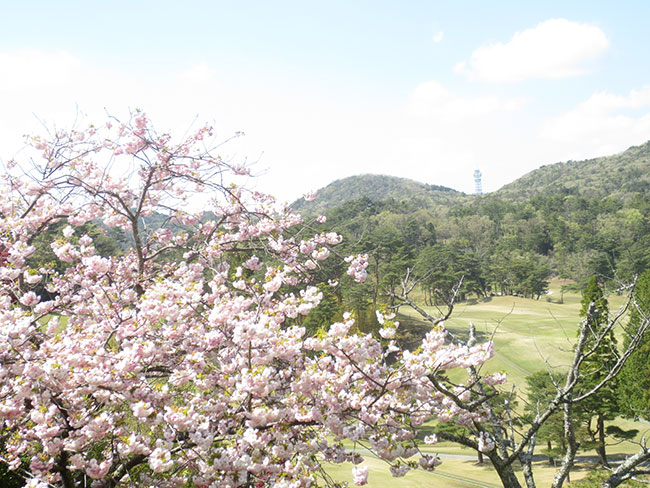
[[375, 187], [619, 175]]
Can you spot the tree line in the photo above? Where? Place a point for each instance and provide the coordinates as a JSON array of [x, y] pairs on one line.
[[214, 351], [500, 246]]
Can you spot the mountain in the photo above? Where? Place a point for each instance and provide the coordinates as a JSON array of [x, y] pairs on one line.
[[618, 176], [376, 188]]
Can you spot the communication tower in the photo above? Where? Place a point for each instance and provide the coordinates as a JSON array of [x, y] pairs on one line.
[[478, 186]]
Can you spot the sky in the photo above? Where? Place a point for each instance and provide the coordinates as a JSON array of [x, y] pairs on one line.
[[427, 90]]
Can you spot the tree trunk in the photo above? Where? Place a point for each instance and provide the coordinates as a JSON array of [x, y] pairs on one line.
[[527, 469], [551, 461], [505, 472], [563, 474], [600, 449]]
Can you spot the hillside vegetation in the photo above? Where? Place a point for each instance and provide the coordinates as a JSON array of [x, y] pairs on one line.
[[620, 176], [571, 220], [577, 225], [376, 188]]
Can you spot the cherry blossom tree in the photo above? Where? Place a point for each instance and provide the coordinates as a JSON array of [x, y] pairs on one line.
[[183, 361], [506, 437]]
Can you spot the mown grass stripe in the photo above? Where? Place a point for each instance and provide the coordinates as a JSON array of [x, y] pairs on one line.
[[463, 479]]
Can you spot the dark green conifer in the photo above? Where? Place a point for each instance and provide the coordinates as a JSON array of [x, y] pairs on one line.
[[601, 357], [634, 381]]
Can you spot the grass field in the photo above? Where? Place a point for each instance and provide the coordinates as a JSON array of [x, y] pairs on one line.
[[453, 473], [529, 335]]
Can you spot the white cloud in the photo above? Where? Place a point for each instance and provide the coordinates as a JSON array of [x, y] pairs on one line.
[[603, 124], [556, 48], [432, 100], [301, 138], [438, 37], [298, 141], [199, 73], [604, 103], [49, 86], [443, 136], [28, 68], [460, 67]]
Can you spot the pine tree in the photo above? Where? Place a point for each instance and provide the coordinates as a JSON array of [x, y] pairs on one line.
[[541, 389], [604, 405], [634, 382]]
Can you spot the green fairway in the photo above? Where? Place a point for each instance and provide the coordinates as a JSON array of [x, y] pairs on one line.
[[453, 473], [528, 336]]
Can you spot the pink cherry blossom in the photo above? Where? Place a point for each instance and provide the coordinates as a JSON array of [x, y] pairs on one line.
[[485, 442], [30, 299], [357, 267], [495, 379], [160, 460], [428, 462], [360, 475], [184, 360]]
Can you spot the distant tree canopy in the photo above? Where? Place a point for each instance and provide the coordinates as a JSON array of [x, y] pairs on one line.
[[500, 243], [574, 220]]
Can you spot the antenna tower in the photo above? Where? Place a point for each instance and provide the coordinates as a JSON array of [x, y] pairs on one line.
[[478, 186]]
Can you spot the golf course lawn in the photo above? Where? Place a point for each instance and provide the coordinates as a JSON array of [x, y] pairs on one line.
[[529, 335]]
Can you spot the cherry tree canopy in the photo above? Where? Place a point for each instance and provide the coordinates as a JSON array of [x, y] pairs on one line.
[[182, 362]]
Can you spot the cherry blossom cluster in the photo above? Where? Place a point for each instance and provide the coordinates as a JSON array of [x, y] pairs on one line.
[[182, 362], [357, 267]]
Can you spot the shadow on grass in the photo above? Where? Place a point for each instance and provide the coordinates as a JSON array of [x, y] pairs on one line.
[[412, 330], [477, 300]]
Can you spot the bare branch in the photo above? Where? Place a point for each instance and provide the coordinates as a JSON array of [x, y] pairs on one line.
[[403, 299]]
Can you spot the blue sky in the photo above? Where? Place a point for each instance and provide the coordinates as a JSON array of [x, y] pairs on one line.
[[323, 90]]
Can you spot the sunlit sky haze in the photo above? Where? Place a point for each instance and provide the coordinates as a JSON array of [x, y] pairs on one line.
[[428, 90]]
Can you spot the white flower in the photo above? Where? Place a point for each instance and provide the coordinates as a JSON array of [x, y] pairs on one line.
[[431, 439], [36, 483], [485, 442], [428, 462], [360, 475], [399, 470], [160, 460], [387, 332]]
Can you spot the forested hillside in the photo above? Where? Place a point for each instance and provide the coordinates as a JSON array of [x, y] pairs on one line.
[[572, 220], [620, 176], [377, 188]]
